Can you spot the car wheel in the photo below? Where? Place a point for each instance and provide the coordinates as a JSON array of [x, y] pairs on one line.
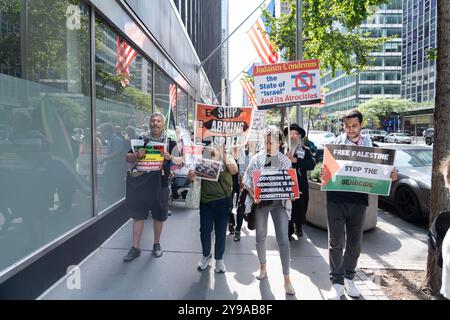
[[428, 141], [408, 205]]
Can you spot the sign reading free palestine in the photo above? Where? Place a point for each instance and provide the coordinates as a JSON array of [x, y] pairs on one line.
[[357, 169], [287, 84]]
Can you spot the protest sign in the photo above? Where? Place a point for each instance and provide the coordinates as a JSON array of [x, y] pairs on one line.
[[287, 84], [273, 184], [191, 153], [258, 124], [207, 169], [153, 158], [357, 169], [218, 126]]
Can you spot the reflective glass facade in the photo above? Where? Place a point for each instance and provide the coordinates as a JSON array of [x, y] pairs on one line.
[[74, 89], [419, 35], [383, 77]]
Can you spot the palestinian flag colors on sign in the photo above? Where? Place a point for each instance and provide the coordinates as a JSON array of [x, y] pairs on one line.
[[357, 169]]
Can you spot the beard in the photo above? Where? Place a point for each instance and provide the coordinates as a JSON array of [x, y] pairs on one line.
[[295, 144]]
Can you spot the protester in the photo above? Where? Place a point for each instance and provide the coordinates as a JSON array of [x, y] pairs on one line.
[[149, 190], [302, 160], [346, 214], [214, 210], [270, 158], [445, 248]]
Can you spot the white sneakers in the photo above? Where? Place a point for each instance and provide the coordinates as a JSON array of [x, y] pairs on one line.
[[351, 289], [220, 266], [336, 292], [204, 263]]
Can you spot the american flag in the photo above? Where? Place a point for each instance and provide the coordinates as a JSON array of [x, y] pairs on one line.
[[260, 41], [125, 55], [173, 95], [249, 90]]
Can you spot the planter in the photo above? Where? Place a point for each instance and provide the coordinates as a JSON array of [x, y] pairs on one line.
[[317, 208]]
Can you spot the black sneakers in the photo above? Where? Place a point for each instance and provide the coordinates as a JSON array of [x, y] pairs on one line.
[[132, 254], [157, 252], [237, 236]]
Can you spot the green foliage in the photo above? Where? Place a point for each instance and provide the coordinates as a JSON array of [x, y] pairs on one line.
[[330, 32], [431, 54], [377, 108], [314, 175]]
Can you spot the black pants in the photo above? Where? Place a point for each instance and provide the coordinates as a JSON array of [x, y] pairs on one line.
[[239, 215]]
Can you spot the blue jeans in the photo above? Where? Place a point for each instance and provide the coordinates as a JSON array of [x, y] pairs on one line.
[[214, 214]]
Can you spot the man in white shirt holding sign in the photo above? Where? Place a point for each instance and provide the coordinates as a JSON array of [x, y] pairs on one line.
[[346, 213]]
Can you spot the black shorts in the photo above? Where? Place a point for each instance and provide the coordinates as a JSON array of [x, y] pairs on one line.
[[144, 194]]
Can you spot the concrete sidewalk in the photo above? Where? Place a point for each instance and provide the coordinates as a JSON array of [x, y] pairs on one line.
[[174, 276]]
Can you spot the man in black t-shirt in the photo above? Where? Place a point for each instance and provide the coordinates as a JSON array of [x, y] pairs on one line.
[[149, 191]]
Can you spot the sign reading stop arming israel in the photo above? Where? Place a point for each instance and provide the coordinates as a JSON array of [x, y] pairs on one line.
[[287, 84], [357, 169]]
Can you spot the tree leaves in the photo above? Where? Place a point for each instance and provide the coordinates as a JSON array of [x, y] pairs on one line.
[[331, 32]]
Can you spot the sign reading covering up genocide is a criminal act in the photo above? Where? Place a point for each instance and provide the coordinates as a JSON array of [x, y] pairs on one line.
[[357, 169], [218, 126], [275, 184], [287, 84]]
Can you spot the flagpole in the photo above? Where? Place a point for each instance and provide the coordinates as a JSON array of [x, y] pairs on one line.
[[226, 39], [289, 127]]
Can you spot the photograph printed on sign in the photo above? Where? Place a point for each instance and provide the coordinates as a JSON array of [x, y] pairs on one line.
[[208, 169]]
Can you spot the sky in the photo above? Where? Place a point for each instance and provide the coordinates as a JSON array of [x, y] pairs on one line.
[[241, 51]]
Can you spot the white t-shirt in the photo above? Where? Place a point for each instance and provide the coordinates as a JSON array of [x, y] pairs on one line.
[[445, 288]]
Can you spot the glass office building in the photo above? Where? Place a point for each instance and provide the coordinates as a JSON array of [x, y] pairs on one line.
[[383, 77], [78, 80], [419, 73]]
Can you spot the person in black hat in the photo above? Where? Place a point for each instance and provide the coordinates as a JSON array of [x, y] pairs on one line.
[[302, 160]]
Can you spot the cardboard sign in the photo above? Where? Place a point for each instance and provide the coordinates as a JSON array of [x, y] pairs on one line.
[[275, 184], [218, 126], [358, 169], [258, 124], [191, 153], [153, 158], [208, 169], [287, 84]]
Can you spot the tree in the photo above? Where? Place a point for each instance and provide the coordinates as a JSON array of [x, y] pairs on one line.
[[439, 198], [375, 109], [330, 33]]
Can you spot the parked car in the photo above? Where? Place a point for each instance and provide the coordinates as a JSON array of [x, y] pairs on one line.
[[398, 137], [320, 138], [375, 135], [428, 136], [410, 194]]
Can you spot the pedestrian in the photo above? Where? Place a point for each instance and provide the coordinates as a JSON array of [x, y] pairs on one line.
[[214, 210], [149, 191], [346, 213], [302, 161], [270, 158], [445, 248]]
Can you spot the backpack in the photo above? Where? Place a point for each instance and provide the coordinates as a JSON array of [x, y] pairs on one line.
[[437, 233]]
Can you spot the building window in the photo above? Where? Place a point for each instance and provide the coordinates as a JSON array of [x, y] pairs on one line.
[[45, 116], [123, 108]]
